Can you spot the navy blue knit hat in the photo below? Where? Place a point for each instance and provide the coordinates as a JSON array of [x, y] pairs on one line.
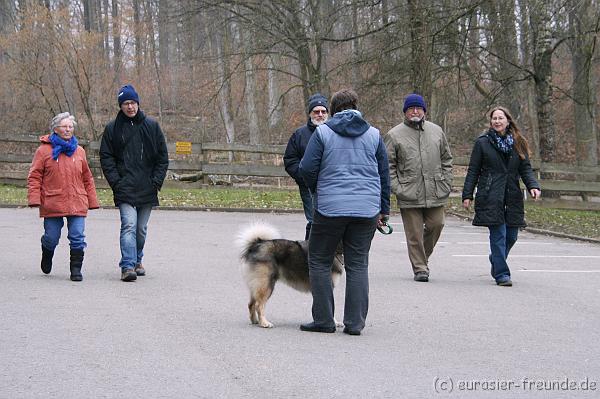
[[414, 100], [316, 100], [126, 93]]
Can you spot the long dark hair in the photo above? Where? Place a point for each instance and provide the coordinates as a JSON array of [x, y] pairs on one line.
[[521, 145]]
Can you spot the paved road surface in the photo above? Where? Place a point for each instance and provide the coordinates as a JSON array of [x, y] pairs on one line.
[[182, 331]]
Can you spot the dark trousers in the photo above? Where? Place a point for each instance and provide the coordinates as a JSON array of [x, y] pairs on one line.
[[356, 234], [308, 205]]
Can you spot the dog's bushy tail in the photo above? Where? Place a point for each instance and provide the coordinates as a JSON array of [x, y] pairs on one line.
[[255, 232]]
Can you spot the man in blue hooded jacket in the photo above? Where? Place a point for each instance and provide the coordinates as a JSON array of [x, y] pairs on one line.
[[346, 166]]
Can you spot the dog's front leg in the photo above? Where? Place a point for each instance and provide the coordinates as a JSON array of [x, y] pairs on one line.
[[262, 320]]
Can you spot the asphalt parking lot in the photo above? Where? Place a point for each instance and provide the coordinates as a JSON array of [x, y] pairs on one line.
[[183, 331]]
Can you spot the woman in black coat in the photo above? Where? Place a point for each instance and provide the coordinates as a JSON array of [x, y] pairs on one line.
[[499, 158]]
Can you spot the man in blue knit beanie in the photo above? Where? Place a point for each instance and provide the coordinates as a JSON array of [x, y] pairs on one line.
[[421, 177], [134, 160]]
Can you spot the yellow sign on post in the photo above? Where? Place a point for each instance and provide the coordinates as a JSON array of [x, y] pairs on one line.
[[183, 147]]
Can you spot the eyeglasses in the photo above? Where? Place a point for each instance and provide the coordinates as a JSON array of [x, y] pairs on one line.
[[319, 112], [66, 127]]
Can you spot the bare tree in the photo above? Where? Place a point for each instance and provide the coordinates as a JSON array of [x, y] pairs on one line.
[[90, 18], [116, 33], [420, 59], [250, 91], [583, 18], [137, 29], [274, 103], [164, 40], [221, 37], [540, 17]]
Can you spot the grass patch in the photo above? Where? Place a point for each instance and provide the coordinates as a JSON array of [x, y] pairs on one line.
[[214, 197], [577, 222], [231, 198]]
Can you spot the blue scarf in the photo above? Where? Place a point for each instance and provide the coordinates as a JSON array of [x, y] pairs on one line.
[[59, 145], [503, 143]]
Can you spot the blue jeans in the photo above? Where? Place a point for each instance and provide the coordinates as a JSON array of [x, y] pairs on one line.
[[308, 205], [53, 226], [356, 234], [134, 225], [502, 239]]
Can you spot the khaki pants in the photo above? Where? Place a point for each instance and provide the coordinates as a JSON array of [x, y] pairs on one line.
[[422, 227]]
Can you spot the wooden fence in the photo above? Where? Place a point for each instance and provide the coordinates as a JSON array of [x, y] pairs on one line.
[[205, 160]]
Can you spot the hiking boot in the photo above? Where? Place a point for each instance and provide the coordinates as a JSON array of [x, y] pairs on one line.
[[128, 275], [139, 270], [422, 277]]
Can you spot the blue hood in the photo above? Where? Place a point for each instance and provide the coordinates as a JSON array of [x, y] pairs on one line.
[[348, 123]]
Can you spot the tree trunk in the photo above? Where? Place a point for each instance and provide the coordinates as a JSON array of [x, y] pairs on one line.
[[7, 20], [420, 61], [275, 105], [526, 50], [504, 44], [581, 19], [153, 55], [322, 11], [542, 65], [89, 15], [355, 46], [224, 95], [116, 33], [137, 28], [163, 32], [103, 8], [250, 91]]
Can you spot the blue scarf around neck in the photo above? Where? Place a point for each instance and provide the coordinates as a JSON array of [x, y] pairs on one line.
[[503, 143], [59, 145]]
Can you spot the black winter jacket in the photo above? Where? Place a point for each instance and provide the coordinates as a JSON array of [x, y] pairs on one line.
[[134, 159], [499, 199], [295, 150]]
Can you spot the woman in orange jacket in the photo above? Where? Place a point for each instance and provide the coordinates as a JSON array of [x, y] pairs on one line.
[[61, 184]]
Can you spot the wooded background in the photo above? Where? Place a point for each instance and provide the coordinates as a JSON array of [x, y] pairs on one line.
[[240, 71]]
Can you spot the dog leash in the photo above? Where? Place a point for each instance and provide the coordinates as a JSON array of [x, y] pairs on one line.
[[385, 223]]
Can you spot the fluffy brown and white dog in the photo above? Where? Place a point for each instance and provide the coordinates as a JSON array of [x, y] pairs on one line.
[[267, 258]]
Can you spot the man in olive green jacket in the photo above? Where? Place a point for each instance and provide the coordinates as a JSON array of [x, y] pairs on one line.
[[421, 177]]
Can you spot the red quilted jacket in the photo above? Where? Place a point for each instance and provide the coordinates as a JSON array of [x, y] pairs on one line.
[[62, 187]]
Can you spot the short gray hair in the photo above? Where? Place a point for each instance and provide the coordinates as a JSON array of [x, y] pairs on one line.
[[61, 117]]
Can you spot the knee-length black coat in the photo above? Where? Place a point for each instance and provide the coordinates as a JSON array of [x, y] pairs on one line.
[[499, 198]]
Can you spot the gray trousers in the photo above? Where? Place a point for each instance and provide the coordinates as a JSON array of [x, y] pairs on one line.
[[356, 234], [422, 228]]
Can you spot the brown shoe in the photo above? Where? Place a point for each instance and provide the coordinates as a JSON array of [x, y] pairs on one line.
[[139, 270], [128, 275]]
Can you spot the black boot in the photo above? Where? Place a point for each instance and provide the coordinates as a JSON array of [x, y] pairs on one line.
[[46, 260], [76, 262]]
